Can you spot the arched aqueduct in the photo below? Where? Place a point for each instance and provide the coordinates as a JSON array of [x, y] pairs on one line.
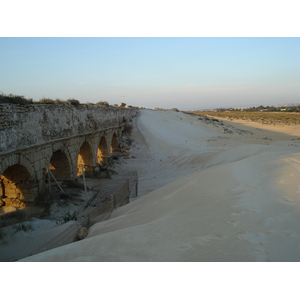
[[62, 139]]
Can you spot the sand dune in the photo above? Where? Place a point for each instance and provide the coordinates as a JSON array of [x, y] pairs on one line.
[[209, 191]]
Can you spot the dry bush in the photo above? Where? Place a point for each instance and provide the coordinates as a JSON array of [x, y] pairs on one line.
[[285, 118]]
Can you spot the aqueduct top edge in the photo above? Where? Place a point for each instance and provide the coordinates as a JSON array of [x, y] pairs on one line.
[[29, 125]]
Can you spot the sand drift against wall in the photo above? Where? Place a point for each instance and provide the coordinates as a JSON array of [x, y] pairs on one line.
[[209, 191]]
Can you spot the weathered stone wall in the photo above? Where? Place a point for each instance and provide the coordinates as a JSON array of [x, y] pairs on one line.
[[27, 125], [62, 138]]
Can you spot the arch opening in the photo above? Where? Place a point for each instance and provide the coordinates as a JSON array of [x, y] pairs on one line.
[[85, 158], [114, 144], [16, 187], [102, 151], [59, 166]]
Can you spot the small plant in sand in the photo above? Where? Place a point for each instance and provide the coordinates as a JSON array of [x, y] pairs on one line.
[[69, 217], [127, 129], [23, 227]]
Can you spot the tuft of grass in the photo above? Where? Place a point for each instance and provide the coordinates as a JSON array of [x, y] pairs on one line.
[[127, 129], [14, 99], [64, 196], [23, 227], [69, 217]]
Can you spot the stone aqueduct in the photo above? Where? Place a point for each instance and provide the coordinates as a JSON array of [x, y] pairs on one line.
[[62, 138]]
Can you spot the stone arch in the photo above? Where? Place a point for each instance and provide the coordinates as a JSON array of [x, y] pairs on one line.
[[102, 150], [17, 186], [85, 158], [60, 165], [114, 145], [14, 159]]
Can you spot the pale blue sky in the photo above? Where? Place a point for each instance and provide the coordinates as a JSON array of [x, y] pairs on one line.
[[187, 73]]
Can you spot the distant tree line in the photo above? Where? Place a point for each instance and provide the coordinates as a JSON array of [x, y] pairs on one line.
[[295, 108]]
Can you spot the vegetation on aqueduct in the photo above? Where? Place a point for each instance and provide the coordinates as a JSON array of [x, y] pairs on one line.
[[17, 99]]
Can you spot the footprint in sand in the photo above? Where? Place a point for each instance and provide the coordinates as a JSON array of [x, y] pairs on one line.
[[282, 217], [237, 213], [260, 255], [283, 182], [259, 251], [289, 200], [257, 239], [252, 237], [290, 232], [185, 247], [234, 223], [204, 240], [267, 221]]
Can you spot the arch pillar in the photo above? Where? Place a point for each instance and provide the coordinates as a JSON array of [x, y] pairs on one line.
[[17, 186]]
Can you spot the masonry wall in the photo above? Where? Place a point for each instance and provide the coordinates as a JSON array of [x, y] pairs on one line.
[[35, 138], [27, 125]]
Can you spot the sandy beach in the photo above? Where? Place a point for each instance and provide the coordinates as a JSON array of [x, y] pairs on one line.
[[209, 191]]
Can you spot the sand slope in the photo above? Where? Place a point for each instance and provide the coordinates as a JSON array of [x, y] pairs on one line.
[[209, 192]]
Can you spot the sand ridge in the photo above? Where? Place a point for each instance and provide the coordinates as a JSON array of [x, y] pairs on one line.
[[208, 191]]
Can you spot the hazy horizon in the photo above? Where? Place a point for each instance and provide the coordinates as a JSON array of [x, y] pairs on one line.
[[186, 73]]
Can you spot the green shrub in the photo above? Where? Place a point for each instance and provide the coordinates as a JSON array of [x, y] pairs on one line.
[[23, 227], [69, 217], [58, 101], [14, 99], [103, 103], [73, 101], [46, 101]]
